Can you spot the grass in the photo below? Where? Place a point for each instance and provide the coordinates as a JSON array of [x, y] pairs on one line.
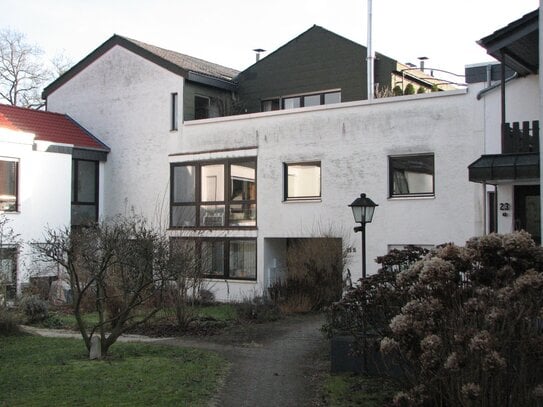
[[57, 372], [350, 390]]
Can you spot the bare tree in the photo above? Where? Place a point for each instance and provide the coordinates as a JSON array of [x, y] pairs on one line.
[[120, 265], [22, 72]]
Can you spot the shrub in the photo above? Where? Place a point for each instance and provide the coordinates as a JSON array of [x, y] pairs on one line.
[[397, 90], [409, 89], [258, 309], [8, 323], [464, 323], [35, 309]]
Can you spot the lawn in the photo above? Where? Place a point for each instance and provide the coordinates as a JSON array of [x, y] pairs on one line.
[[351, 390], [56, 372]]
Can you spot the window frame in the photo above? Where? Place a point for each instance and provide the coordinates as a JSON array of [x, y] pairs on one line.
[[392, 195], [207, 111], [226, 255], [286, 197], [16, 162], [174, 120], [75, 181], [228, 201], [301, 98]]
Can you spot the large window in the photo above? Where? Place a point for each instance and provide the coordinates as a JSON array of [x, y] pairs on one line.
[[9, 173], [84, 191], [222, 258], [206, 107], [411, 175], [214, 194], [302, 181]]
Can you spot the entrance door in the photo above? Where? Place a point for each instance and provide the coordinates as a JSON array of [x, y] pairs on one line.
[[528, 210]]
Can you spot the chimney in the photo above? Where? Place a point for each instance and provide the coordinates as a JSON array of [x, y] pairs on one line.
[[422, 59], [258, 51]]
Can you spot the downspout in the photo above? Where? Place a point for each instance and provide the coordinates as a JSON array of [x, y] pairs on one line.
[[370, 57], [485, 214], [502, 79]]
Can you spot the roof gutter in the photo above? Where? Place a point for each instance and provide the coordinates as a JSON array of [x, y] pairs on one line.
[[484, 91]]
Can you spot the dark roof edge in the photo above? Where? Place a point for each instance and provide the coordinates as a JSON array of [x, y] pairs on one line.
[[211, 81], [101, 50], [520, 24], [88, 133]]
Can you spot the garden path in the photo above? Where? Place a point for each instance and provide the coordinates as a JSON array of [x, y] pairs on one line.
[[272, 364]]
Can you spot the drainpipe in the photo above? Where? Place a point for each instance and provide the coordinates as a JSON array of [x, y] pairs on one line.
[[502, 79], [370, 56], [485, 210]]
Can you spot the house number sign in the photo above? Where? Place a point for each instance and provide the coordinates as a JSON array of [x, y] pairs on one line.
[[504, 207]]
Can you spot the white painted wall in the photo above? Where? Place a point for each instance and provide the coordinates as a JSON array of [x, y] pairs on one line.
[[44, 192], [124, 100], [353, 141]]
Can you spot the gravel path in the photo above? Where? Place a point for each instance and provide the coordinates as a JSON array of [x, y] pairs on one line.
[[280, 365]]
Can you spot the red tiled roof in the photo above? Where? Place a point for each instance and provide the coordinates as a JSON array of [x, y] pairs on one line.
[[48, 126]]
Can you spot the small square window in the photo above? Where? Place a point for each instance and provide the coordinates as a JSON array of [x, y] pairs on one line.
[[411, 175], [302, 181]]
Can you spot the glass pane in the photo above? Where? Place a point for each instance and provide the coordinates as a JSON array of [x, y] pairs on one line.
[[212, 183], [212, 215], [201, 107], [242, 181], [213, 258], [304, 181], [334, 97], [243, 215], [86, 181], [183, 216], [6, 270], [291, 103], [8, 185], [184, 184], [312, 100], [412, 175], [242, 259], [269, 105], [82, 214]]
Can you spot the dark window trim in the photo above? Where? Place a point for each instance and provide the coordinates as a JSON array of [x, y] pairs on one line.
[[301, 97], [174, 125], [286, 198], [17, 176], [391, 194], [226, 259], [198, 198], [75, 181]]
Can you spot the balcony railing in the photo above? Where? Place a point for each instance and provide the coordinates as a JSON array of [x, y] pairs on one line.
[[520, 137]]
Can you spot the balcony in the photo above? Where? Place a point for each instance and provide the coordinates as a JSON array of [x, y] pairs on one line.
[[520, 137]]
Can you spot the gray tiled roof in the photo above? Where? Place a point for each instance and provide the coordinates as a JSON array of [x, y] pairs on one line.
[[187, 62]]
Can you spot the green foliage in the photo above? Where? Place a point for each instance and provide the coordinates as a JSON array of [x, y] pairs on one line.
[[40, 371], [409, 89], [421, 89], [35, 309], [397, 90]]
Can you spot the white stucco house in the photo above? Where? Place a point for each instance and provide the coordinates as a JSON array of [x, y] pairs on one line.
[[242, 164], [49, 177]]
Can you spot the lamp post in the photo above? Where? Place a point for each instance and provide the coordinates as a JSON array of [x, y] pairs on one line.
[[363, 209]]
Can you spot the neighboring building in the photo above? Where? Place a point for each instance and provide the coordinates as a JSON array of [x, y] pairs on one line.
[[509, 169], [50, 170], [242, 188]]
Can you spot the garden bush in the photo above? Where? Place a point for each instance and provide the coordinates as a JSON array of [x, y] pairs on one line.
[[8, 323], [464, 323], [35, 309]]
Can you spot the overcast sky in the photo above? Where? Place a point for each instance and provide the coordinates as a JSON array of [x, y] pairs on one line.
[[226, 31]]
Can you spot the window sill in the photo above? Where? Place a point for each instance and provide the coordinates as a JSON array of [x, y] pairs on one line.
[[230, 280], [411, 198], [295, 200]]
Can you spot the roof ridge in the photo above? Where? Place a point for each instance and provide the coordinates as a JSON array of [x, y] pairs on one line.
[[27, 109]]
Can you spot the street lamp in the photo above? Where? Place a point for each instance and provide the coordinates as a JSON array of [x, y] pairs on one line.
[[363, 209]]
